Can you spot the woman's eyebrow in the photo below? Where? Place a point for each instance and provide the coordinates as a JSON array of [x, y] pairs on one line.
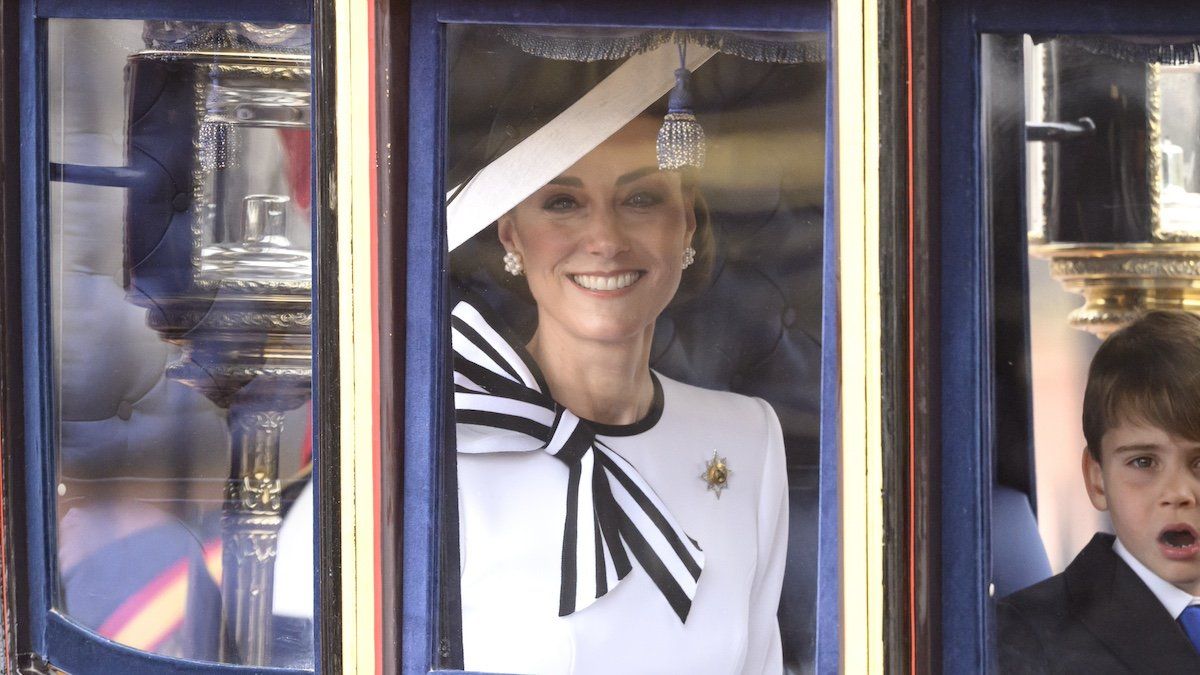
[[566, 181], [636, 174]]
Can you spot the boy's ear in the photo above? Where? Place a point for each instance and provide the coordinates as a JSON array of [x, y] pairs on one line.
[[1093, 480]]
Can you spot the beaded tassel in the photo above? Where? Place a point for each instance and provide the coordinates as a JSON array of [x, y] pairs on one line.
[[681, 141], [218, 145]]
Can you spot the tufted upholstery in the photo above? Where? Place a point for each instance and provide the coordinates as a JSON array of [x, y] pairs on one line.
[[757, 331], [120, 420]]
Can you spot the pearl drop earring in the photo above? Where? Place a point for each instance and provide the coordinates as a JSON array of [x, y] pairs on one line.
[[513, 264], [689, 257]]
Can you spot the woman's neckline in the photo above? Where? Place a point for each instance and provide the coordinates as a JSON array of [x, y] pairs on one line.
[[645, 424]]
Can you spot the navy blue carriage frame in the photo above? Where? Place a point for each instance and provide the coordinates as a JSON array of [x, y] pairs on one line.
[[422, 343], [975, 401], [40, 636]]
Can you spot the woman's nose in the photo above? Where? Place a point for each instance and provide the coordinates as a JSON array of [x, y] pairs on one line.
[[605, 236]]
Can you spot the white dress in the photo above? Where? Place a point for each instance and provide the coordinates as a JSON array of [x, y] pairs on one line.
[[512, 508]]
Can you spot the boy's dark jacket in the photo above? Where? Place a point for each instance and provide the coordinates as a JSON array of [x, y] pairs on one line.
[[1095, 617]]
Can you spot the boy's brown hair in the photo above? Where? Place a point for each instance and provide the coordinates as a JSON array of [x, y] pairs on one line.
[[1148, 372]]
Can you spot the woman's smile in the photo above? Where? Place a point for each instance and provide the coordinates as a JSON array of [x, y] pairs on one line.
[[606, 282]]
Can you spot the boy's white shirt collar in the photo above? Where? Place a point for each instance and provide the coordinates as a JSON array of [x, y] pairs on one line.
[[1174, 599]]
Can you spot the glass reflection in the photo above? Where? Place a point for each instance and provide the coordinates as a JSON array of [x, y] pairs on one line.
[[180, 285]]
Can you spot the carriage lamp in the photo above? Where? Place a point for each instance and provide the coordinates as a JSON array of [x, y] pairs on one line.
[[1116, 179], [217, 251]]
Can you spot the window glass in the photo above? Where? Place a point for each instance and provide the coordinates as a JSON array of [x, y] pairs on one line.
[[635, 224], [1095, 229], [180, 283]]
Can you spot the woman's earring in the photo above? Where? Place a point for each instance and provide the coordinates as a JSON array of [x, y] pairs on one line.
[[689, 257], [513, 264]]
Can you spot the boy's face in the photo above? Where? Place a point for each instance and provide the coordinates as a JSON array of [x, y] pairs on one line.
[[1149, 481]]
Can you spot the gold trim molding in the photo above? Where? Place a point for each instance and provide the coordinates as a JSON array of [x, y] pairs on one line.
[[1120, 281]]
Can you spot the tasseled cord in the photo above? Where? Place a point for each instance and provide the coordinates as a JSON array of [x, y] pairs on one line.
[[220, 141], [681, 140]]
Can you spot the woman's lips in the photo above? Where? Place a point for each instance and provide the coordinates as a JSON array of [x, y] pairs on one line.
[[1179, 541], [606, 282]]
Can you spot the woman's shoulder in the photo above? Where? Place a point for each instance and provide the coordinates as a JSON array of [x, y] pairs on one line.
[[708, 406]]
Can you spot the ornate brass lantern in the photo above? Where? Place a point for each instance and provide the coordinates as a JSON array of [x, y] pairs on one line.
[[1121, 185], [217, 251]]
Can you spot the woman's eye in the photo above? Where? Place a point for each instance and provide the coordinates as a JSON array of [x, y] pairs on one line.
[[560, 203], [643, 199]]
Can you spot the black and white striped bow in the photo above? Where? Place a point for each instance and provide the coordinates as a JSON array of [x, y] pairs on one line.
[[611, 511]]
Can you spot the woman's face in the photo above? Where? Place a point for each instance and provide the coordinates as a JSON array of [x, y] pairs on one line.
[[603, 243]]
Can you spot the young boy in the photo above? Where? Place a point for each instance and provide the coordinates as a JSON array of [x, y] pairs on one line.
[[1123, 604]]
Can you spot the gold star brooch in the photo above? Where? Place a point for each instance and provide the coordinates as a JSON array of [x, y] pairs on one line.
[[716, 474]]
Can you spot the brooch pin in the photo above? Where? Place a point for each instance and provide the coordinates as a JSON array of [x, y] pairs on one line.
[[716, 474]]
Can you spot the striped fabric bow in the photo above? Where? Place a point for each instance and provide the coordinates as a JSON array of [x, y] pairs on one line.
[[611, 511]]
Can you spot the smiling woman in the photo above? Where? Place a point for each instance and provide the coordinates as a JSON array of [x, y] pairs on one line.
[[610, 517], [578, 429], [603, 249]]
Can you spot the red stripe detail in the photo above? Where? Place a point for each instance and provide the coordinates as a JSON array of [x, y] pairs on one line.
[[912, 358], [372, 102], [166, 633], [297, 146], [129, 609], [306, 444], [133, 608], [213, 560]]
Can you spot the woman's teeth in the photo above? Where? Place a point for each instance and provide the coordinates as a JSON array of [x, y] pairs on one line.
[[613, 282]]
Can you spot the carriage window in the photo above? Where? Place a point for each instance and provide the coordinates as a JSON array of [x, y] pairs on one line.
[[180, 281], [1094, 229], [635, 224]]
